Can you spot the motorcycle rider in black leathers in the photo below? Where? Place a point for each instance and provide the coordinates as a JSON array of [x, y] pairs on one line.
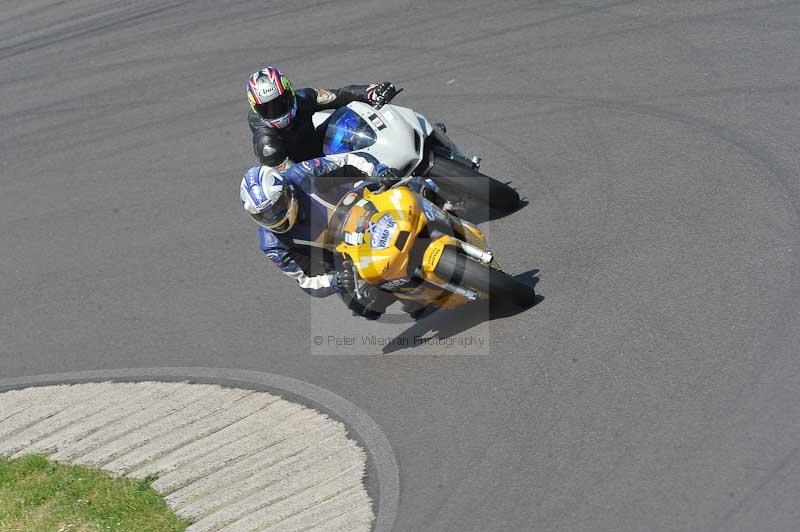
[[280, 117]]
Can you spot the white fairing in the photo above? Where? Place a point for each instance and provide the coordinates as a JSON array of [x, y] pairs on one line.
[[400, 144]]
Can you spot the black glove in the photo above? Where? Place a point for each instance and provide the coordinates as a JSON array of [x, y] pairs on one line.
[[344, 281], [386, 176], [369, 304], [381, 93]]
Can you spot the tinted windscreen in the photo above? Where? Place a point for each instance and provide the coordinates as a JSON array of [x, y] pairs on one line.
[[347, 132]]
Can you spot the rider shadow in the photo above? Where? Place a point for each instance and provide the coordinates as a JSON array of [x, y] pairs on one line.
[[480, 213], [447, 323]]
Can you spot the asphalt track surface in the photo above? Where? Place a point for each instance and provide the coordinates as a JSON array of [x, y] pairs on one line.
[[657, 385]]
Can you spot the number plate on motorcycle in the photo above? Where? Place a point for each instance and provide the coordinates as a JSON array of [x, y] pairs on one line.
[[377, 122]]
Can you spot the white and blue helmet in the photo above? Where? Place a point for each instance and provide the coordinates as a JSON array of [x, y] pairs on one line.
[[269, 199]]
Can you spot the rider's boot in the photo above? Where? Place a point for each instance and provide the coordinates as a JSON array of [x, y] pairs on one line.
[[414, 309]]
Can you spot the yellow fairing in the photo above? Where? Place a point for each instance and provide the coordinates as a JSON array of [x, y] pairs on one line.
[[431, 258], [470, 233], [398, 212], [380, 231], [428, 272]]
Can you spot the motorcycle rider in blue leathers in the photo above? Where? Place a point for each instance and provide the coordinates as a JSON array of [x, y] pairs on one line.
[[293, 208]]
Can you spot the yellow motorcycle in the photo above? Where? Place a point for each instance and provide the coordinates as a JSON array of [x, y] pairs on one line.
[[403, 243]]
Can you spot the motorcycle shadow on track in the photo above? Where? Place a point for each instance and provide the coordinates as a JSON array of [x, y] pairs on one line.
[[479, 212], [449, 323]]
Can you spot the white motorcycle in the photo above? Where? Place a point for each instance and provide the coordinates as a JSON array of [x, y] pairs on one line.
[[405, 140]]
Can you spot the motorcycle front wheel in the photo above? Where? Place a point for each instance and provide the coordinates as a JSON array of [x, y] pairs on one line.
[[497, 284]]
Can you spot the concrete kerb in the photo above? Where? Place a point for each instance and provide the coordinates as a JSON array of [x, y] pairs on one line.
[[382, 482]]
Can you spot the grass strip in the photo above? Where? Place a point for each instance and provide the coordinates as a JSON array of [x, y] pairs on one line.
[[38, 495]]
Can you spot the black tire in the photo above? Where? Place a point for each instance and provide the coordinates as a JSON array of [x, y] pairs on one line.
[[452, 175], [500, 286]]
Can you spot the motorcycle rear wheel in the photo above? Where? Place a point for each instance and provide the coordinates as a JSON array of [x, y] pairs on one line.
[[489, 191]]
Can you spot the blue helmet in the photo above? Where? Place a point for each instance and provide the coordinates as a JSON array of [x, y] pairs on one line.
[[269, 199]]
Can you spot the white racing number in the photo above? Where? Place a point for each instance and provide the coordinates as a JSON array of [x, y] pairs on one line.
[[429, 209]]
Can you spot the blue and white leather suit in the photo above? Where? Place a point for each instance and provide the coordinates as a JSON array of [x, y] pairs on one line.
[[319, 185]]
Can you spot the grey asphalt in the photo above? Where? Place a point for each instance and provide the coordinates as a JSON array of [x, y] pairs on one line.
[[656, 387]]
